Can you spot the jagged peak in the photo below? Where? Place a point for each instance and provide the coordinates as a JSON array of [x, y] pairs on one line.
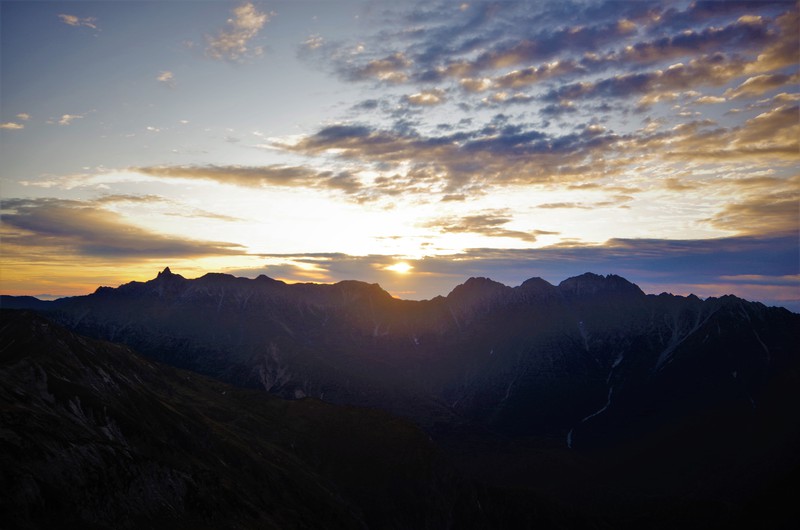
[[266, 279], [212, 276], [167, 275], [477, 288], [479, 282], [361, 286], [536, 283], [591, 283]]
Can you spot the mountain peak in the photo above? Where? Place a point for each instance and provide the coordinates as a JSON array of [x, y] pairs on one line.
[[478, 284], [591, 284], [536, 284], [168, 275], [362, 288], [217, 277], [476, 289]]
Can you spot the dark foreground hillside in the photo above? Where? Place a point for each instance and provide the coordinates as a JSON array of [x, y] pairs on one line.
[[94, 436]]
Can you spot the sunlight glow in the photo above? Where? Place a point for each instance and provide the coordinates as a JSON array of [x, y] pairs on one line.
[[401, 267]]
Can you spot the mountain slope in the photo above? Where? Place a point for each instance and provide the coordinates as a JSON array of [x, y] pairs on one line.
[[94, 436]]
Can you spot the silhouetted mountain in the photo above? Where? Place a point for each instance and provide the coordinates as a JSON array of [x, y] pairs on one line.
[[517, 382]]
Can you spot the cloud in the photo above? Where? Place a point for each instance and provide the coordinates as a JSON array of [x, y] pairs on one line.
[[610, 59], [87, 229], [706, 70], [746, 33], [489, 223], [260, 176], [390, 68], [72, 20], [313, 42], [524, 47], [176, 209], [535, 74], [783, 52], [166, 77], [610, 53], [703, 11], [24, 116], [236, 175], [532, 41], [772, 212], [676, 184], [233, 43], [426, 98], [504, 99], [709, 100], [353, 186], [67, 119], [11, 126], [773, 135], [617, 201], [472, 84], [122, 198], [465, 162], [757, 85]]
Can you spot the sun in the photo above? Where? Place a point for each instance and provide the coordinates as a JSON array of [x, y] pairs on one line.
[[402, 267]]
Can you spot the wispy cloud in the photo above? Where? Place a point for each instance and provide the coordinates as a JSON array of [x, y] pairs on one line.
[[166, 77], [87, 229], [770, 207], [67, 119], [391, 68], [250, 176], [12, 126], [490, 224], [617, 201], [313, 42], [234, 42], [265, 176], [497, 154], [426, 98], [72, 20], [757, 85], [125, 198]]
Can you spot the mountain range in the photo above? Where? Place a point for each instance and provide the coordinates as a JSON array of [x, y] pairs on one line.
[[624, 407]]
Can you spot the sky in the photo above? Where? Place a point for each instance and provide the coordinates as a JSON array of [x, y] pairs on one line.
[[408, 144]]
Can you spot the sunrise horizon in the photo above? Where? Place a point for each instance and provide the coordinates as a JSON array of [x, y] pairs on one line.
[[394, 284], [409, 145]]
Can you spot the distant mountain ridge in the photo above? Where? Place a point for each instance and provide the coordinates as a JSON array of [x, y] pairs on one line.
[[478, 354]]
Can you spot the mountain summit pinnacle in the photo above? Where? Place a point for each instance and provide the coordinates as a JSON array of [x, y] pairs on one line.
[[165, 272]]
